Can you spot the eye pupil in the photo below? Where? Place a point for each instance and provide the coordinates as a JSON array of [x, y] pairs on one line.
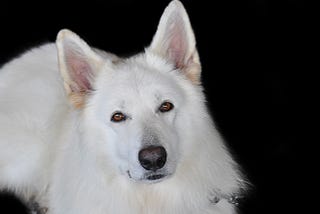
[[166, 106], [118, 117]]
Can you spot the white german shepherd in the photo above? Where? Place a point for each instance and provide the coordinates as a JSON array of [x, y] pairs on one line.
[[108, 135]]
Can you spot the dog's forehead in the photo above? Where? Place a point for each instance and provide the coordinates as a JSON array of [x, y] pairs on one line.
[[141, 73], [138, 80]]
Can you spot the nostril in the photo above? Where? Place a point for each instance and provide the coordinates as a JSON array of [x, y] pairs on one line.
[[161, 161], [146, 163], [152, 157]]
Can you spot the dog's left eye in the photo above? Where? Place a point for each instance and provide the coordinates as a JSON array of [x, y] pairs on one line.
[[166, 106], [118, 117]]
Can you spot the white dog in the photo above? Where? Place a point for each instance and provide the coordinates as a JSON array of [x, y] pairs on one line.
[[112, 135]]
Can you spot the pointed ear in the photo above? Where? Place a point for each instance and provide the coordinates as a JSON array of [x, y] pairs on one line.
[[78, 65], [175, 41]]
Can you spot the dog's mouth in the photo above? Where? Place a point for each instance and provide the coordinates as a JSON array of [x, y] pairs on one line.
[[150, 178], [155, 177]]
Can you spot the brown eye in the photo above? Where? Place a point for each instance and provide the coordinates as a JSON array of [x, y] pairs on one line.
[[118, 117], [166, 106]]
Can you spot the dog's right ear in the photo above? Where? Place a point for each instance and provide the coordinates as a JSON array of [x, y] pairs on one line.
[[78, 65]]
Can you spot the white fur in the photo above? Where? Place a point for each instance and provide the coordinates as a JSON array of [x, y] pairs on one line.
[[76, 161]]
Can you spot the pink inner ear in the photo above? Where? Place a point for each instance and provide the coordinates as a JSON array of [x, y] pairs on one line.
[[178, 45], [80, 72], [177, 50]]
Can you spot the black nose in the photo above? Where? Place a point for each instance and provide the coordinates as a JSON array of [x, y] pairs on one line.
[[152, 157]]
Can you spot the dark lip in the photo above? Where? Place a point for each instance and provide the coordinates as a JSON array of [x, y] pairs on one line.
[[151, 178], [155, 177]]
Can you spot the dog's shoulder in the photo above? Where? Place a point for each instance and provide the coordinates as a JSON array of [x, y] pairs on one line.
[[35, 56]]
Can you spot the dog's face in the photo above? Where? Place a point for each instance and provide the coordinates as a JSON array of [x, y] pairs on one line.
[[139, 106], [137, 102]]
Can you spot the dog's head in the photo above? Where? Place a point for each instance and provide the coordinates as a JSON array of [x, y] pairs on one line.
[[136, 108]]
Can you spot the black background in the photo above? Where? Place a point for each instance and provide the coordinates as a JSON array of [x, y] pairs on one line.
[[256, 69]]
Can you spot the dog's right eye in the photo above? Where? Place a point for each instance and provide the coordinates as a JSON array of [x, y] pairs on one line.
[[166, 106], [118, 117]]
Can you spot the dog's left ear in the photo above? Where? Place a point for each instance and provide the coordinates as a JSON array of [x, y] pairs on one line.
[[175, 41], [78, 65]]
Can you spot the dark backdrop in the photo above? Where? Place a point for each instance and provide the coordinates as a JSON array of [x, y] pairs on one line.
[[255, 66]]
